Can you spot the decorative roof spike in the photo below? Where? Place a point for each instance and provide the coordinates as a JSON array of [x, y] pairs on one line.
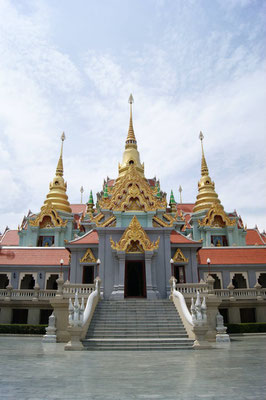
[[81, 193], [90, 198], [204, 167], [131, 135], [172, 199], [180, 191], [105, 193], [59, 168], [158, 195]]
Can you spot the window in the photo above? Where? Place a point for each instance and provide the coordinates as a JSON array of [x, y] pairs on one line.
[[4, 281], [217, 282], [44, 316], [219, 240], [45, 241], [28, 282], [247, 315], [262, 280], [224, 313], [239, 281], [19, 316], [51, 283]]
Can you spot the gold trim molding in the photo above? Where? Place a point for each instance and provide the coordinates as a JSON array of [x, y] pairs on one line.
[[179, 257], [48, 211], [135, 239], [211, 218], [88, 257]]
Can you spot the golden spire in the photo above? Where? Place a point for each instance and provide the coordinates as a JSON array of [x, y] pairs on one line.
[[207, 196], [131, 135], [131, 154], [57, 195]]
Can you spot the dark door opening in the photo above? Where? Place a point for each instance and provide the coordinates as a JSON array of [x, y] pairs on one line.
[[135, 282], [88, 274]]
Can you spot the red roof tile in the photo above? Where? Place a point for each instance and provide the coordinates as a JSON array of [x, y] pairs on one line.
[[34, 256], [178, 238], [78, 208], [186, 207], [89, 238], [232, 256], [254, 238], [10, 238]]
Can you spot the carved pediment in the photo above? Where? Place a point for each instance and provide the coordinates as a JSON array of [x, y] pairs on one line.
[[135, 239], [88, 257], [179, 257], [132, 192], [217, 218], [48, 218]]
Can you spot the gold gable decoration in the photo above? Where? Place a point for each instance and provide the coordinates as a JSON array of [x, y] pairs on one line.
[[48, 218], [132, 192], [88, 257], [179, 257], [135, 239], [217, 218]]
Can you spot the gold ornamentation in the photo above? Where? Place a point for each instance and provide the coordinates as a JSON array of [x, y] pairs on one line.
[[216, 217], [132, 192], [135, 239], [179, 257], [48, 218], [88, 257]]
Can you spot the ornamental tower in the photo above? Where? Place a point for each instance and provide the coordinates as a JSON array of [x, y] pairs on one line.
[[131, 154], [57, 195]]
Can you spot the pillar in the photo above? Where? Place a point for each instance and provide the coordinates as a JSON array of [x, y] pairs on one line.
[[151, 286]]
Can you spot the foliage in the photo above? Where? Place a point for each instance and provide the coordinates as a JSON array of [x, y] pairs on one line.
[[254, 327], [23, 329]]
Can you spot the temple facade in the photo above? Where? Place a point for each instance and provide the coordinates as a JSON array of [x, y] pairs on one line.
[[135, 241]]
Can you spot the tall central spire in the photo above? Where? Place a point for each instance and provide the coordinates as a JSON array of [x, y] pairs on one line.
[[131, 154]]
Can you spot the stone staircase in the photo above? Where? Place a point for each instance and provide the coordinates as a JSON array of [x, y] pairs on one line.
[[136, 325]]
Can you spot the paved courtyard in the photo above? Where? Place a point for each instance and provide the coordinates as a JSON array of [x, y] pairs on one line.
[[33, 371]]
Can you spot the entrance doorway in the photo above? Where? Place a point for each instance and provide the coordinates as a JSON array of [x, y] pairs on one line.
[[135, 282], [88, 274]]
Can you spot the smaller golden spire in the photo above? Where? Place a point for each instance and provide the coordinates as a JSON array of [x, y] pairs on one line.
[[131, 139], [59, 168], [57, 194], [207, 196], [204, 167]]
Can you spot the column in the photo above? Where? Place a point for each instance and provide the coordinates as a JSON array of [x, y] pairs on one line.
[[119, 287], [151, 286]]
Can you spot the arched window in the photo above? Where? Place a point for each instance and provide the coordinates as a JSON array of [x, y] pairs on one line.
[[28, 282], [51, 283], [239, 281], [262, 280], [4, 281]]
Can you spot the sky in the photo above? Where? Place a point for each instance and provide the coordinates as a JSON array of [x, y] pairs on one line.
[[191, 65]]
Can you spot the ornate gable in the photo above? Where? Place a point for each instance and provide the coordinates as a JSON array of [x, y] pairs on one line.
[[135, 239], [88, 257], [132, 192], [48, 218], [179, 257], [216, 217]]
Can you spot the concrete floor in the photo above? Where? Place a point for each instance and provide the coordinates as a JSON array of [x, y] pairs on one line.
[[33, 371]]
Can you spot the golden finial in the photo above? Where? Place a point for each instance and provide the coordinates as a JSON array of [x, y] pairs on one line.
[[59, 169], [180, 191], [204, 168], [131, 135]]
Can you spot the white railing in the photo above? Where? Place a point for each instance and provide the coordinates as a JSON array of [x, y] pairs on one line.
[[191, 289], [27, 294], [83, 290]]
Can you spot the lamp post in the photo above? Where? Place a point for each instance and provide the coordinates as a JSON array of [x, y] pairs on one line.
[[61, 267], [209, 268], [98, 263], [172, 267]]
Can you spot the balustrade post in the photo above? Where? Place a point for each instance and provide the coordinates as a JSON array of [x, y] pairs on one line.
[[36, 292], [231, 291], [258, 288], [9, 289], [60, 283], [172, 282], [210, 284]]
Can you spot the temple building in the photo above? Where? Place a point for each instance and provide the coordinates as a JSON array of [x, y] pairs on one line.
[[135, 241]]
